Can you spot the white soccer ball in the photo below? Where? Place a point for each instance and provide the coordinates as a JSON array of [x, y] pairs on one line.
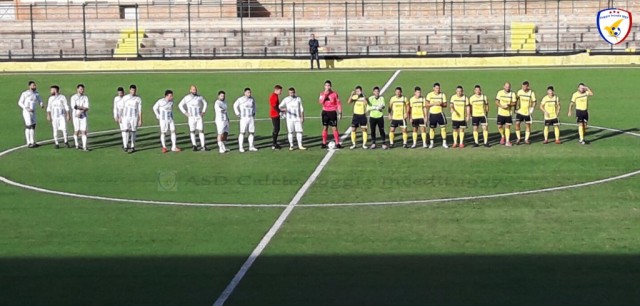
[[331, 145]]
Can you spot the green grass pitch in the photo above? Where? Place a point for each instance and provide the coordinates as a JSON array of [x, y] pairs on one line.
[[571, 247]]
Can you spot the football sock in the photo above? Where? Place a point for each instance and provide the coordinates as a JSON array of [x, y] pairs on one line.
[[241, 141], [250, 140], [485, 135], [392, 136], [424, 137], [173, 140], [193, 139], [75, 140], [527, 134], [365, 137], [84, 141], [501, 130], [336, 137], [202, 139], [455, 136], [299, 136], [353, 137], [290, 136], [476, 136], [556, 131], [125, 139], [517, 133], [415, 137], [546, 133], [162, 140], [581, 131], [461, 136], [443, 133], [507, 132], [325, 135]]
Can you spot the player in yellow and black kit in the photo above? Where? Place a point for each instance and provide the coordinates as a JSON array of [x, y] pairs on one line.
[[580, 100], [550, 105], [436, 100], [418, 116], [479, 110], [459, 115], [398, 106], [524, 109], [506, 101], [359, 120]]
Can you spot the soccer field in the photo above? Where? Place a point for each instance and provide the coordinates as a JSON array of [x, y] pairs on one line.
[[527, 225]]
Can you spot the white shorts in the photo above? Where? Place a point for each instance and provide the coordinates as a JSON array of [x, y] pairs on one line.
[[294, 126], [167, 125], [29, 118], [222, 126], [247, 125], [195, 123], [129, 124], [79, 124], [59, 124]]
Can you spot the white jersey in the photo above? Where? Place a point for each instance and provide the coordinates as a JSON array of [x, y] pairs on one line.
[[193, 105], [80, 101], [245, 107], [294, 109], [29, 100], [221, 111], [118, 106], [163, 109], [57, 106], [131, 106]]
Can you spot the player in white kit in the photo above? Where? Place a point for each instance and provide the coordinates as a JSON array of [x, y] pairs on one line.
[[27, 102], [245, 108], [164, 113], [194, 107], [80, 106], [118, 108], [131, 116], [58, 115], [222, 121], [294, 112]]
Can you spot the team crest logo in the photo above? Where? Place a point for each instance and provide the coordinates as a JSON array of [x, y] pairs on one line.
[[614, 25], [167, 181]]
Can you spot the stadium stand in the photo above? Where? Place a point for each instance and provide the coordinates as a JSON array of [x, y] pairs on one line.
[[358, 28]]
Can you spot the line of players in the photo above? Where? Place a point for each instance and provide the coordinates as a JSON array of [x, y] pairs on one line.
[[419, 110]]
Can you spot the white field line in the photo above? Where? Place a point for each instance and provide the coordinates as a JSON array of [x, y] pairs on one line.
[[427, 201], [266, 239]]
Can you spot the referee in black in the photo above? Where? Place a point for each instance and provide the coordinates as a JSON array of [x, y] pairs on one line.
[[313, 49]]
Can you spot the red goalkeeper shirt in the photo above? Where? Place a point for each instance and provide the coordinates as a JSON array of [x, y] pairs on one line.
[[274, 111]]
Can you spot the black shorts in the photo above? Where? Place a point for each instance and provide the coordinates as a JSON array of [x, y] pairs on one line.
[[476, 121], [582, 116], [417, 122], [359, 121], [523, 118], [458, 124], [504, 120], [329, 118], [398, 123], [551, 122], [376, 122], [437, 119]]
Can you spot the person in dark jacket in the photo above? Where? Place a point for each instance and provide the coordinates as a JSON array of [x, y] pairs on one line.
[[313, 49]]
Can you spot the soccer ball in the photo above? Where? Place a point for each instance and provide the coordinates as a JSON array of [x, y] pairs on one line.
[[617, 31], [332, 145]]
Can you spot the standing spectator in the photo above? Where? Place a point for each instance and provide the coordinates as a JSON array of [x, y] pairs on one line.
[[313, 49]]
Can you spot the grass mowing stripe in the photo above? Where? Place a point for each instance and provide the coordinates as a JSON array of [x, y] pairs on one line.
[[283, 217]]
